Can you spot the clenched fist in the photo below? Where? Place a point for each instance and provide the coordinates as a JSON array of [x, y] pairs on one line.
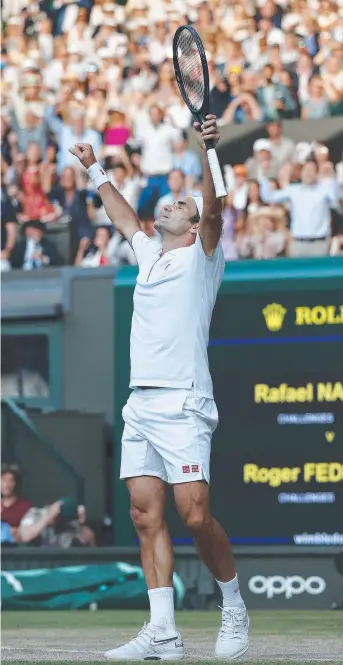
[[84, 152]]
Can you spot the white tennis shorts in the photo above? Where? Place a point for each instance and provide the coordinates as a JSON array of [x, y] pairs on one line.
[[168, 434]]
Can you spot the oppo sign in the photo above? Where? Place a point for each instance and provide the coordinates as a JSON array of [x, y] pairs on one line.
[[290, 586]]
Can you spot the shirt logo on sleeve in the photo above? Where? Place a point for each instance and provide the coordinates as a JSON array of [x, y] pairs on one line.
[[186, 469]]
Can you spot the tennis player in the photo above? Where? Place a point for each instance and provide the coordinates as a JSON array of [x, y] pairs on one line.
[[171, 414]]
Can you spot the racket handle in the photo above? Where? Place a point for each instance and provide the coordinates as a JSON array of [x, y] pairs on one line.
[[217, 177]]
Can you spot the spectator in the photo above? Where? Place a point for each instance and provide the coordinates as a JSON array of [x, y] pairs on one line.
[[33, 200], [274, 99], [242, 109], [99, 254], [75, 202], [6, 535], [158, 139], [326, 14], [45, 37], [176, 185], [254, 201], [309, 32], [6, 151], [267, 242], [290, 51], [129, 187], [8, 226], [230, 229], [262, 164], [263, 54], [237, 186], [35, 131], [117, 130], [304, 72], [332, 75], [80, 32], [187, 161], [282, 148], [13, 506], [67, 134], [62, 524], [310, 202], [317, 104], [164, 89], [234, 57], [35, 250], [220, 96], [30, 98], [321, 156]]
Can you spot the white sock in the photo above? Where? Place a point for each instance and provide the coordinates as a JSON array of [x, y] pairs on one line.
[[162, 607], [231, 593]]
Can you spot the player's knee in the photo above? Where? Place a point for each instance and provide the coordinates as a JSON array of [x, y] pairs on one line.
[[143, 519], [196, 519]]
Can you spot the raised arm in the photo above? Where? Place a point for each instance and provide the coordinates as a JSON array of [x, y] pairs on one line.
[[210, 225], [118, 210], [270, 196]]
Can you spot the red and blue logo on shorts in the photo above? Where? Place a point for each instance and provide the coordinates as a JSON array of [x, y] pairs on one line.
[[193, 468]]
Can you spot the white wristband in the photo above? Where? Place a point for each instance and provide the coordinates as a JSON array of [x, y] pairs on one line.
[[97, 175]]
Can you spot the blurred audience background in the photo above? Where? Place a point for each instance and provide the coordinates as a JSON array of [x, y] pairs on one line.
[[102, 73]]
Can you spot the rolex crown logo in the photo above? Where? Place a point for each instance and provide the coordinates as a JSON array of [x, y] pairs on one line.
[[274, 315], [329, 436]]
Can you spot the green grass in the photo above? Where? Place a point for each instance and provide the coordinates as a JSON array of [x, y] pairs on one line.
[[203, 662], [263, 622], [322, 625]]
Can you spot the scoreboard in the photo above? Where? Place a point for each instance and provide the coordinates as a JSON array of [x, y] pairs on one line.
[[277, 365], [276, 359]]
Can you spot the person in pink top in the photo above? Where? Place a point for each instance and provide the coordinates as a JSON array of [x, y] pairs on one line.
[[117, 131]]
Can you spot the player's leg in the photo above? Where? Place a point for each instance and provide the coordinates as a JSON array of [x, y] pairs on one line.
[[143, 470], [213, 547], [159, 639], [189, 422], [211, 541], [147, 497]]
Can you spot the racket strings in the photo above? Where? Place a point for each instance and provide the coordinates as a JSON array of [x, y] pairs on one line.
[[191, 69]]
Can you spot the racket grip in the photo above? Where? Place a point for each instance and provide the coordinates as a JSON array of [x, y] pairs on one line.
[[217, 177]]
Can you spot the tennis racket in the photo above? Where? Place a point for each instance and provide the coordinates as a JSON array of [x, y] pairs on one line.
[[191, 73]]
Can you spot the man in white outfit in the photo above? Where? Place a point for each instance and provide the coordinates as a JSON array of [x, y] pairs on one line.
[[171, 415]]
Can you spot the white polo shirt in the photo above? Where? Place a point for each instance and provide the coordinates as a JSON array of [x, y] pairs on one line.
[[157, 148], [173, 303]]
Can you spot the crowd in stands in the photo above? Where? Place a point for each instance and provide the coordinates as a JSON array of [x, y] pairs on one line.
[[61, 524], [101, 73]]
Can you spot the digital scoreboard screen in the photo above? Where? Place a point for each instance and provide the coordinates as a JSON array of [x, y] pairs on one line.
[[277, 457], [276, 360]]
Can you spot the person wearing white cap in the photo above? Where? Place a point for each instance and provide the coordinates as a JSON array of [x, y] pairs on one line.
[[262, 164], [171, 414]]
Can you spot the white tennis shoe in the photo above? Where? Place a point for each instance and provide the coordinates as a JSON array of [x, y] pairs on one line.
[[233, 639], [151, 643]]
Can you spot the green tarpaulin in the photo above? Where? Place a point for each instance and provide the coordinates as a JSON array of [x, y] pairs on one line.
[[117, 585]]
